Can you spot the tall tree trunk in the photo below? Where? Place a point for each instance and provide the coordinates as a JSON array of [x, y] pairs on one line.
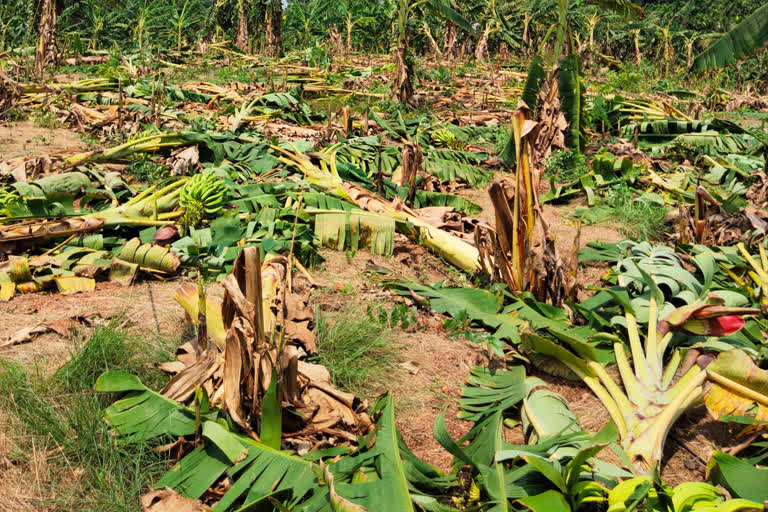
[[431, 40], [349, 33], [689, 46], [638, 56], [403, 88], [45, 53], [482, 44], [526, 36], [241, 39], [273, 24], [449, 41]]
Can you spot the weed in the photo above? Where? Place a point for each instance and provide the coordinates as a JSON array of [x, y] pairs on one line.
[[358, 352], [642, 218], [110, 348], [565, 166], [46, 119], [400, 316], [62, 413], [145, 170]]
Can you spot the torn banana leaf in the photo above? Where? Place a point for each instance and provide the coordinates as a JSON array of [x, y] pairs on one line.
[[355, 230]]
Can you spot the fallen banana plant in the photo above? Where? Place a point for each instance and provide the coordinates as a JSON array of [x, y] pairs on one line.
[[155, 206], [651, 399], [327, 179]]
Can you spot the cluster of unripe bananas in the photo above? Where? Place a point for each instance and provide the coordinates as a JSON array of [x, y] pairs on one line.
[[8, 196], [444, 138], [202, 196]]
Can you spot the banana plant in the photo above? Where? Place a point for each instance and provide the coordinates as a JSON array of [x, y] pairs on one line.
[[406, 11], [744, 39], [648, 399]]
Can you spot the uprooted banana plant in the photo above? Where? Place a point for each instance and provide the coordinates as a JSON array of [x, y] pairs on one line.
[[155, 206], [710, 224], [652, 399], [521, 251]]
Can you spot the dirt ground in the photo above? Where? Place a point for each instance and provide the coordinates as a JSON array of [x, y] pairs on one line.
[[27, 138]]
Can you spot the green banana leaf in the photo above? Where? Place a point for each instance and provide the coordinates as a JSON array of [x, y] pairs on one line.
[[743, 40], [572, 97]]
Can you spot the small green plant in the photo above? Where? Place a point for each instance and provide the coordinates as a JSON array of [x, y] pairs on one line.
[[318, 56], [145, 170], [565, 166], [400, 316], [46, 119], [358, 352]]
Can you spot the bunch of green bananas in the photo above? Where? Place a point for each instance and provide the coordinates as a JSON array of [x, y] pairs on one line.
[[202, 196], [444, 138], [8, 196]]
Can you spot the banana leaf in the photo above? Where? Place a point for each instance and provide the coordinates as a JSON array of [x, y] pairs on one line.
[[743, 40], [488, 390], [742, 479], [531, 90], [572, 97], [355, 230]]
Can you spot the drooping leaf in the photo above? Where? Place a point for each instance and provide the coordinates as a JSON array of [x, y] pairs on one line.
[[738, 386], [746, 37], [489, 390], [142, 414], [356, 230], [572, 97]]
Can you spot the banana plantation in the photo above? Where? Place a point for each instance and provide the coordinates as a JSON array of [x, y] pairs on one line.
[[389, 255]]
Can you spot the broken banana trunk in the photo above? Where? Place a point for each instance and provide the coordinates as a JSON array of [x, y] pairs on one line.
[[254, 366]]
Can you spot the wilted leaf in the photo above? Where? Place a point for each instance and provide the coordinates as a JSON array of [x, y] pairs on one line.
[[123, 272], [153, 257], [737, 386], [68, 285], [7, 291], [187, 296]]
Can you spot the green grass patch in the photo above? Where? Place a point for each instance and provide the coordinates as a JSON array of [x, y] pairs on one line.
[[359, 352], [63, 414], [639, 218]]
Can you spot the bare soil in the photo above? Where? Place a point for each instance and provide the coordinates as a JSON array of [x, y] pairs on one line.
[[27, 139]]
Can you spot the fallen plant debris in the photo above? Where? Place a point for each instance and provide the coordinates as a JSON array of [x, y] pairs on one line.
[[465, 168], [62, 326]]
